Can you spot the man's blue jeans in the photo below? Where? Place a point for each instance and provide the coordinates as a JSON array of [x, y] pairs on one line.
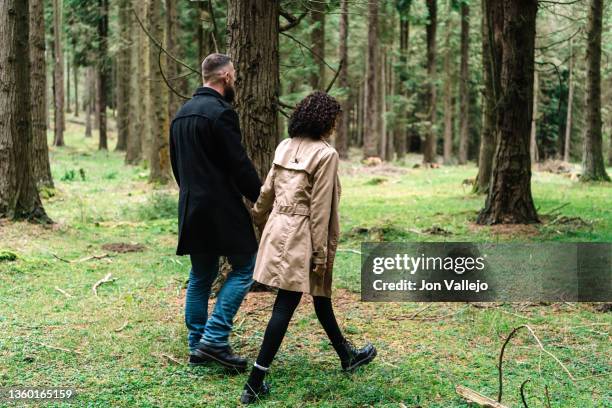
[[214, 331]]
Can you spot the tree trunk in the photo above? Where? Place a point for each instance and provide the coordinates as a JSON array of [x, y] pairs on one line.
[[317, 14], [533, 143], [429, 150], [90, 100], [372, 115], [382, 87], [173, 46], [68, 109], [102, 70], [58, 74], [144, 77], [401, 133], [159, 156], [19, 197], [570, 102], [134, 142], [464, 85], [75, 71], [123, 75], [342, 129], [509, 200], [492, 24], [252, 41], [593, 168], [41, 169], [448, 91]]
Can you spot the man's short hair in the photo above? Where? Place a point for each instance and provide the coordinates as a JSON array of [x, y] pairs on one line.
[[213, 64]]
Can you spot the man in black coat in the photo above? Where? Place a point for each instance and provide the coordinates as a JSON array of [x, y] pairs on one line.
[[213, 172]]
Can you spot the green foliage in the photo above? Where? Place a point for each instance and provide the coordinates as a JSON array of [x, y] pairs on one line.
[[159, 205]]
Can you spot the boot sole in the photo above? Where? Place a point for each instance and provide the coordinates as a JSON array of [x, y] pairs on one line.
[[368, 359], [225, 364]]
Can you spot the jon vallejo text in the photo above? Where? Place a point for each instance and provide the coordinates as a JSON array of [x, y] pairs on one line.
[[411, 264]]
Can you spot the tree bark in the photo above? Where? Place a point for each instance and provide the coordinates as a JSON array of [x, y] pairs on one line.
[[58, 74], [103, 71], [252, 41], [342, 129], [401, 133], [134, 142], [593, 168], [448, 91], [317, 14], [464, 85], [509, 200], [492, 26], [159, 156], [19, 197], [90, 100], [533, 143], [41, 169], [123, 75], [173, 46], [429, 150], [372, 115], [68, 109], [570, 102]]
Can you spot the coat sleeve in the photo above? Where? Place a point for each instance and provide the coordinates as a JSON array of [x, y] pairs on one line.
[[173, 159], [320, 205], [264, 203], [227, 129]]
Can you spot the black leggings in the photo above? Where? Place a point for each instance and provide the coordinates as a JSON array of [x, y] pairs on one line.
[[284, 306]]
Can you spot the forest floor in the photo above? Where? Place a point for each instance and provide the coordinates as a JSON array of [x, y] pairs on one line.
[[127, 345]]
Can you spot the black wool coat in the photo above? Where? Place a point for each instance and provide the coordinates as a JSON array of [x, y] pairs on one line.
[[213, 172]]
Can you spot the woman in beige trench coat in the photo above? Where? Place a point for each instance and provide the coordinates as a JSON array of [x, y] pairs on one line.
[[297, 212]]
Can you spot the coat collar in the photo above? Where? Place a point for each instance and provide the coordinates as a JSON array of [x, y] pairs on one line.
[[300, 153], [205, 90]]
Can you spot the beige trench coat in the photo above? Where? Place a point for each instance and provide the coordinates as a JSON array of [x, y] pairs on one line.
[[298, 204]]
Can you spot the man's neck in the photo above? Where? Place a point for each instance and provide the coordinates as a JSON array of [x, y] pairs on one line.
[[216, 87]]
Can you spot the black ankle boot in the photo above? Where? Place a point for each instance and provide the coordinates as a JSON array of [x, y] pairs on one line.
[[353, 357], [250, 395]]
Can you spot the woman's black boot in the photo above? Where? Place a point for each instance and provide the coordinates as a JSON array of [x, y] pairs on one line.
[[351, 358]]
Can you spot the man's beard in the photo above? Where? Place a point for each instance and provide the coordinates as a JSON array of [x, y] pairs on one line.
[[229, 93]]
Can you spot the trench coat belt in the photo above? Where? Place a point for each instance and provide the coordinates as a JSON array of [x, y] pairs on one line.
[[299, 209]]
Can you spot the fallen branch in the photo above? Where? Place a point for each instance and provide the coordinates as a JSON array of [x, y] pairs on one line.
[[123, 326], [63, 292], [173, 359], [354, 251], [105, 279], [476, 398], [54, 347], [523, 393]]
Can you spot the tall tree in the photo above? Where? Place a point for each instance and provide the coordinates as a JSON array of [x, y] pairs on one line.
[[448, 88], [429, 150], [371, 130], [343, 125], [159, 155], [317, 15], [492, 24], [41, 169], [173, 46], [593, 168], [464, 84], [252, 40], [509, 200], [103, 71], [19, 197], [90, 100], [123, 74], [133, 153], [570, 102], [58, 73], [400, 135], [533, 144]]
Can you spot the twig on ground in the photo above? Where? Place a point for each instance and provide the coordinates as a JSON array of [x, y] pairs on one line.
[[418, 312], [476, 398], [523, 393], [105, 279], [61, 259], [63, 292], [53, 347], [123, 326], [354, 251], [173, 359]]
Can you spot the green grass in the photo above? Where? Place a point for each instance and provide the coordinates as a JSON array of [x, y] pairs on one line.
[[99, 200]]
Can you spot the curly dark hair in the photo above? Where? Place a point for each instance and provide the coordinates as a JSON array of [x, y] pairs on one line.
[[314, 116]]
